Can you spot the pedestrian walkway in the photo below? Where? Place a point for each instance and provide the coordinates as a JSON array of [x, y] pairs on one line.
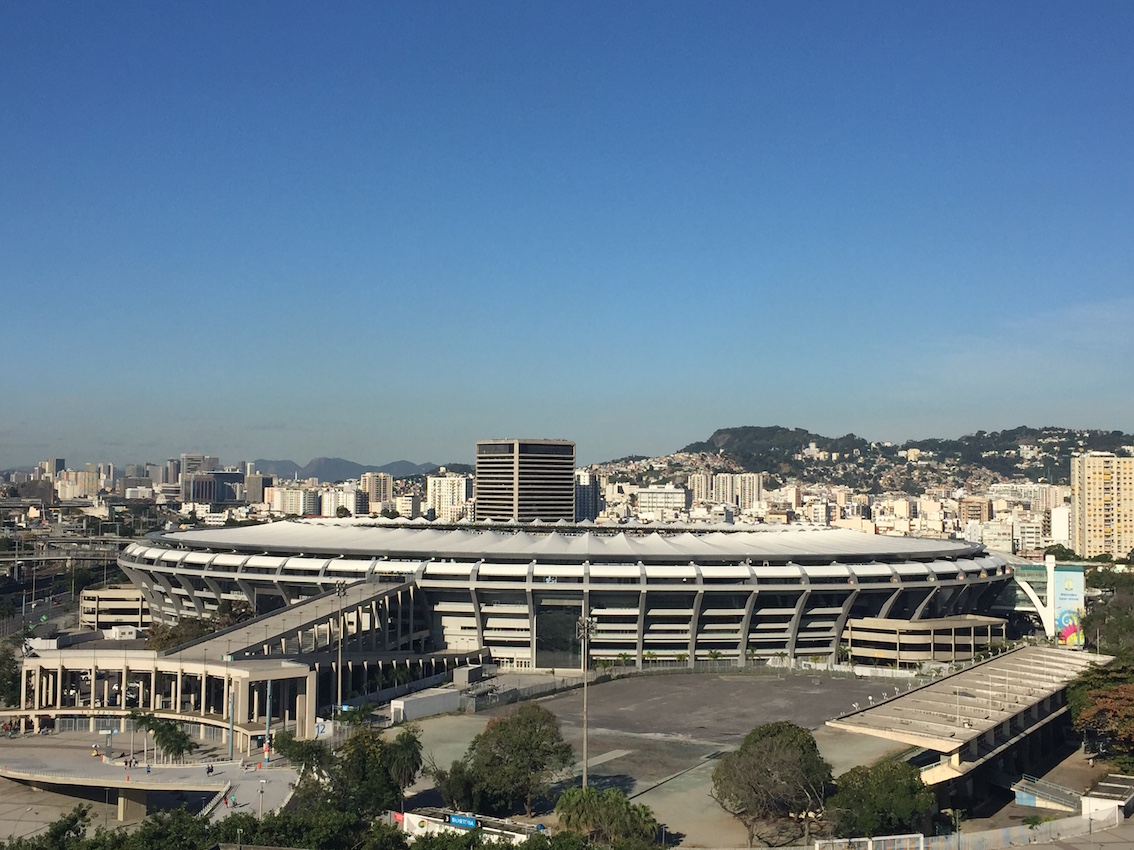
[[64, 761]]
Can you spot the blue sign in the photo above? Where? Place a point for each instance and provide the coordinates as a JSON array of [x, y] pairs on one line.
[[463, 820]]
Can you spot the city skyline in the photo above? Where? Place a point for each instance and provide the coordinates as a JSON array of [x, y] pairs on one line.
[[384, 232]]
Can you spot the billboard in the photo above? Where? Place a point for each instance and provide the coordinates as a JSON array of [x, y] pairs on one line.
[[1069, 594]]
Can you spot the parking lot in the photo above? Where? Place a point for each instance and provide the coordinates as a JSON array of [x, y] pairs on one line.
[[658, 737]]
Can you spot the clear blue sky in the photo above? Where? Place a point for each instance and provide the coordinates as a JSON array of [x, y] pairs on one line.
[[385, 230]]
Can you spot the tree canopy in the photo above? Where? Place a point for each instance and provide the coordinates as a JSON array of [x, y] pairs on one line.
[[512, 762], [776, 775], [1101, 700], [606, 816], [884, 799]]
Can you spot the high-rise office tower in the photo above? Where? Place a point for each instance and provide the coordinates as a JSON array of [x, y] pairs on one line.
[[525, 480], [1102, 504]]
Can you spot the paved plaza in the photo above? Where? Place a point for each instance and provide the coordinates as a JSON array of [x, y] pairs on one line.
[[658, 737], [65, 760]]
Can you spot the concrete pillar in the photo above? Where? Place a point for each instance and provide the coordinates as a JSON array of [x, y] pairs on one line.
[[227, 691], [131, 803], [153, 689], [255, 702], [59, 686], [94, 684], [38, 686], [241, 701], [204, 693]]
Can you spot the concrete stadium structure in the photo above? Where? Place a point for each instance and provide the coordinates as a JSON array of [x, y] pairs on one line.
[[517, 591]]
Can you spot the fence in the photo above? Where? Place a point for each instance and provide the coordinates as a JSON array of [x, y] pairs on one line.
[[1042, 833]]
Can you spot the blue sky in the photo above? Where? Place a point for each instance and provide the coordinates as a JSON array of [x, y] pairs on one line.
[[385, 230]]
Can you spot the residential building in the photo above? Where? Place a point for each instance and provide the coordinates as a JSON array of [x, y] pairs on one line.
[[446, 495], [588, 496], [1102, 504], [379, 486]]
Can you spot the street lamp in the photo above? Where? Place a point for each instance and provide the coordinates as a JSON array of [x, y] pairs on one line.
[[585, 630], [262, 799], [340, 592]]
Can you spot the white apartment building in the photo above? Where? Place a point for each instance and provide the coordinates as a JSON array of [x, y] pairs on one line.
[[300, 501], [447, 496], [1102, 504], [701, 486], [724, 488], [347, 496], [659, 501], [408, 506], [749, 490]]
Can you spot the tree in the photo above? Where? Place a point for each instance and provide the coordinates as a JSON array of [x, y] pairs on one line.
[[605, 816], [361, 780], [1101, 700], [1061, 553], [169, 736], [518, 754], [403, 758], [11, 669], [342, 511], [886, 798], [306, 755], [777, 773]]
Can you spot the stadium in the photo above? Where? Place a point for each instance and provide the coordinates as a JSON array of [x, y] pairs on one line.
[[651, 593]]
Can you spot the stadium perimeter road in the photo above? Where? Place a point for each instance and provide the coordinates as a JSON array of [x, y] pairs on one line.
[[25, 810], [658, 737]]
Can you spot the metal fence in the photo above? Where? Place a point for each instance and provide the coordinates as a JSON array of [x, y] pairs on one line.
[[1042, 833]]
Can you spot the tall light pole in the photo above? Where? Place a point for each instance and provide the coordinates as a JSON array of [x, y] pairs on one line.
[[340, 592], [584, 630]]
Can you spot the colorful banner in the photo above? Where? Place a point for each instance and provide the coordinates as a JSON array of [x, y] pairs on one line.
[[1069, 596]]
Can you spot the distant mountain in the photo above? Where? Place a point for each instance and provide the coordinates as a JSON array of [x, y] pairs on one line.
[[338, 469]]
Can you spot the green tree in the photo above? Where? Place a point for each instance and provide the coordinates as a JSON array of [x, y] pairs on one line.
[[403, 758], [1061, 553], [361, 780], [169, 736], [305, 755], [342, 511], [886, 798], [777, 774], [518, 754], [11, 668], [606, 816]]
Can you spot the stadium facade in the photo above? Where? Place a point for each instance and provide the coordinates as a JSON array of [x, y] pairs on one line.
[[654, 593]]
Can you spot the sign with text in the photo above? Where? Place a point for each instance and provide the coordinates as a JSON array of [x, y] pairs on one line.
[[1069, 595]]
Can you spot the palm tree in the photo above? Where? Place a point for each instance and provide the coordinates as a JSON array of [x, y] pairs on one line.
[[624, 658], [403, 758], [715, 654], [578, 809], [650, 657], [681, 657]]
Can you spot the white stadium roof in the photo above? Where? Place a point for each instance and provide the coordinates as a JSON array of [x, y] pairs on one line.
[[781, 544]]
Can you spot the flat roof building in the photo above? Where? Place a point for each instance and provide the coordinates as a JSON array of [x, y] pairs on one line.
[[525, 480]]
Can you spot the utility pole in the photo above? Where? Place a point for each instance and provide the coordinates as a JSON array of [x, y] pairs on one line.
[[340, 592], [584, 630]]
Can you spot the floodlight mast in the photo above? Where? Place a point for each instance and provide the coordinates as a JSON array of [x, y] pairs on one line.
[[585, 630]]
